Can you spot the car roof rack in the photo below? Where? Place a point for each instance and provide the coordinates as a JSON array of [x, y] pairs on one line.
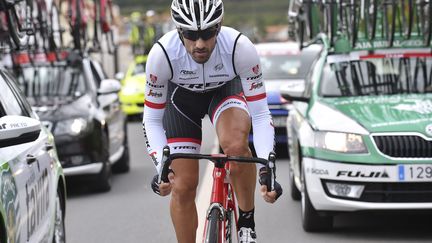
[[355, 25]]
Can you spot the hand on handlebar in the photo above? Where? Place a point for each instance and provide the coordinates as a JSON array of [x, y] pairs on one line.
[[163, 188], [265, 180]]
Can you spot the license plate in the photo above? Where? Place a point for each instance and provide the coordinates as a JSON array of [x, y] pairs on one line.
[[415, 172], [279, 121]]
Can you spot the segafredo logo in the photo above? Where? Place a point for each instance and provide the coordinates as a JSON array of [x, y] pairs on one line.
[[429, 129]]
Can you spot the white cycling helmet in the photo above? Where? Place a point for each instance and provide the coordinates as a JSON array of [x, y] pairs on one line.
[[196, 14]]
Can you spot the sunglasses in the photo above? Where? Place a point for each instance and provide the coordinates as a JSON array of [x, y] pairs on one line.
[[203, 34]]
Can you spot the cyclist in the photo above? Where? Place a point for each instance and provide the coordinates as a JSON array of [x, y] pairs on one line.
[[206, 68]]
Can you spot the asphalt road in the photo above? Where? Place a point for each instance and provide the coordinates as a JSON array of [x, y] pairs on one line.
[[131, 212]]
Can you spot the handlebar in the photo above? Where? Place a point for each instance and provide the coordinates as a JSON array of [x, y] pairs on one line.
[[219, 161]]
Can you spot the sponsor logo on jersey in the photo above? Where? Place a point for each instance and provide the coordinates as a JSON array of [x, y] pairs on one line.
[[156, 86], [153, 78], [255, 77], [154, 94], [256, 69], [186, 72], [256, 85], [154, 158], [219, 67], [218, 75], [185, 147], [201, 86]]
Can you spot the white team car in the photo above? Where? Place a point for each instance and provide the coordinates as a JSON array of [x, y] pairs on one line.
[[32, 184], [360, 134]]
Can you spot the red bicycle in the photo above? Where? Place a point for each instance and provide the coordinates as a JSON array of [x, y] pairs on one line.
[[221, 218]]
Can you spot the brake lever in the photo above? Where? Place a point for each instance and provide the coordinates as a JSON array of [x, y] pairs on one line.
[[163, 176]]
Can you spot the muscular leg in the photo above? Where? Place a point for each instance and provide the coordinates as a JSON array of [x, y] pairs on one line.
[[232, 128], [183, 208]]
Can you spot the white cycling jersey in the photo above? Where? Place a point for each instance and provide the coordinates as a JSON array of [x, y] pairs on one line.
[[233, 56]]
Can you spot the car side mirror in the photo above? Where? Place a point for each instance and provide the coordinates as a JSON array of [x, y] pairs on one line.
[[119, 76], [294, 91], [109, 86], [16, 130]]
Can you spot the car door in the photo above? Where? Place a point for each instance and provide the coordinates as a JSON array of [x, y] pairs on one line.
[[111, 105], [32, 174]]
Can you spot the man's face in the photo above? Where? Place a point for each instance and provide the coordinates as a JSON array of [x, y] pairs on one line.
[[200, 44]]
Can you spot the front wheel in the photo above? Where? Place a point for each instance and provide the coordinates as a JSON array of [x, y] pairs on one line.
[[213, 226], [59, 235], [311, 219]]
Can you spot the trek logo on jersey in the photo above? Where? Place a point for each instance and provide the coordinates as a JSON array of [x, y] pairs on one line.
[[201, 86], [256, 85], [256, 69], [154, 94], [153, 78], [156, 86], [255, 77]]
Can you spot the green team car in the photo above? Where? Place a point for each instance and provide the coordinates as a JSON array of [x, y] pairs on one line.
[[32, 184], [360, 132]]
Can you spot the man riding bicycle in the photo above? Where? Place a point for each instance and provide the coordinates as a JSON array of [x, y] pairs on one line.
[[206, 68]]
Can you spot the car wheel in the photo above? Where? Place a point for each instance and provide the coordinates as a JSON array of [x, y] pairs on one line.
[[104, 179], [295, 193], [312, 221], [123, 164], [59, 235]]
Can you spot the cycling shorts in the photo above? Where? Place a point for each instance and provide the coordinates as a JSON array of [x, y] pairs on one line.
[[185, 110]]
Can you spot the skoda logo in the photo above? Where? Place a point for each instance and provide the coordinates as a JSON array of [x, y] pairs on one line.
[[429, 129]]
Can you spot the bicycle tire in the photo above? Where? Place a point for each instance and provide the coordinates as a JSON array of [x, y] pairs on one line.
[[389, 25], [406, 21], [371, 18], [107, 27], [213, 226], [18, 32], [331, 20], [56, 31], [79, 29], [97, 34], [426, 24]]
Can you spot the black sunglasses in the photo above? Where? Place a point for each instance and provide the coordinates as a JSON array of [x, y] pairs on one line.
[[203, 34]]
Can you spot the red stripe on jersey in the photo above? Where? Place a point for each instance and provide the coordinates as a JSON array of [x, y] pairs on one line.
[[256, 97], [154, 105], [187, 140]]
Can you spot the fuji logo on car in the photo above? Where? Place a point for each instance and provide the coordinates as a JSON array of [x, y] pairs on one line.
[[3, 126], [372, 174]]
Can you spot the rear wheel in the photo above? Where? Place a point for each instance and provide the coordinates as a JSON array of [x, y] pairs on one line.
[[213, 226]]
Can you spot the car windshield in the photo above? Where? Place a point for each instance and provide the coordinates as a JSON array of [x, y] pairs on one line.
[[44, 81], [377, 75], [287, 66], [139, 68]]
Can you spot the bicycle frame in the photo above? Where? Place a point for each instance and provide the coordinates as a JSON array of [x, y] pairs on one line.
[[223, 199], [222, 202]]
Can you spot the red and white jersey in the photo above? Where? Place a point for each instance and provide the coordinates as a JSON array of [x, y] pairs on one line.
[[233, 56]]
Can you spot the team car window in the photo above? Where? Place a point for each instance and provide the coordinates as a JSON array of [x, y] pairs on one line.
[[98, 73], [8, 99], [286, 66], [377, 76], [52, 81]]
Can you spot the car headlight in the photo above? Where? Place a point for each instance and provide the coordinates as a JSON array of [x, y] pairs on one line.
[[72, 127], [340, 142], [130, 90]]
